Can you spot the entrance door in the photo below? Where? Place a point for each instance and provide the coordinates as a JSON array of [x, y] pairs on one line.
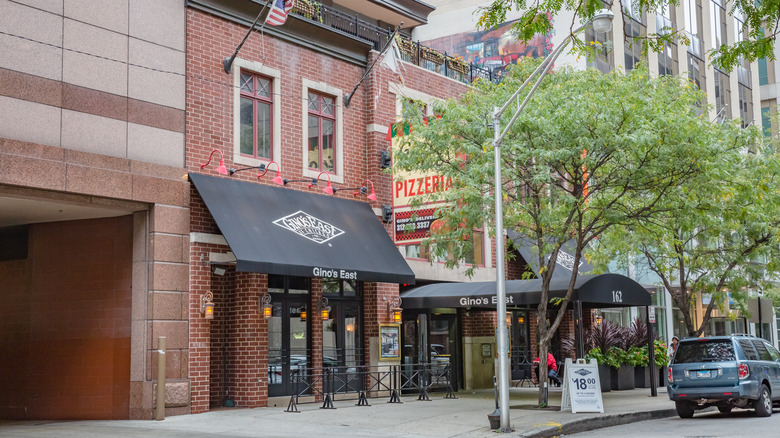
[[443, 349], [289, 344], [434, 340], [520, 349]]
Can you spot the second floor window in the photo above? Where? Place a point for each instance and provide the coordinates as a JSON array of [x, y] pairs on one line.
[[256, 110], [321, 132]]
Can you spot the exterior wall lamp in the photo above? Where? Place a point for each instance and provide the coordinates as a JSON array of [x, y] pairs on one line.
[[361, 190], [328, 189], [508, 319], [265, 305], [521, 319], [394, 308], [304, 315], [221, 168], [324, 309], [264, 169], [207, 305]]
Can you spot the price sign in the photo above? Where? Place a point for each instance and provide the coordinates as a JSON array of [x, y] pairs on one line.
[[581, 387]]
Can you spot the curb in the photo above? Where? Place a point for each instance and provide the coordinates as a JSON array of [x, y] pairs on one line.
[[587, 424]]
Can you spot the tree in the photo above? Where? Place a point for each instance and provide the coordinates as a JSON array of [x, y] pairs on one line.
[[716, 235], [589, 151], [760, 24]]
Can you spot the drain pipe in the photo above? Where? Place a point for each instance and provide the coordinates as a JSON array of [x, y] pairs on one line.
[[160, 411]]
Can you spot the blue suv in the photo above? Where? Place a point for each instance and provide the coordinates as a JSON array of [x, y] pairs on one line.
[[737, 371]]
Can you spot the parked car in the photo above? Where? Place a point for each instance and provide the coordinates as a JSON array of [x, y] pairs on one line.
[[737, 371]]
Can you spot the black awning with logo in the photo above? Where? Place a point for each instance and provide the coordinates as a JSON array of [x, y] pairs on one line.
[[283, 231], [565, 261], [604, 290]]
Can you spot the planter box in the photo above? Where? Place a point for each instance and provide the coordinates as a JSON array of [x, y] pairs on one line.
[[642, 377], [622, 378], [662, 376], [605, 377]]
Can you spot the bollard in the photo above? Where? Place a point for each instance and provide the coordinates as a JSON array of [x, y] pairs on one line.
[[160, 411]]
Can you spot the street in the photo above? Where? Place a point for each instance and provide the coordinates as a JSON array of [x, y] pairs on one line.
[[707, 424]]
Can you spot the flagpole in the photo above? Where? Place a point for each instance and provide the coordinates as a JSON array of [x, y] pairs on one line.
[[348, 96], [228, 62]]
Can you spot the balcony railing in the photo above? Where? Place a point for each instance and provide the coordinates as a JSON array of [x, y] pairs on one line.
[[414, 53]]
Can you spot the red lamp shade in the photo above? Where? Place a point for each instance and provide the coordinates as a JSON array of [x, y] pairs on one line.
[[221, 168]]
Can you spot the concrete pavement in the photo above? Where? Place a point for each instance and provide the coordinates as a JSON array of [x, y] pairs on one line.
[[465, 416]]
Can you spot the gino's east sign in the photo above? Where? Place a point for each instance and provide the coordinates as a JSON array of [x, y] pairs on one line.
[[310, 227]]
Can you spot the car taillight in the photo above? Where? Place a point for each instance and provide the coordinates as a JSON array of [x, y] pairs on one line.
[[669, 374], [743, 370]]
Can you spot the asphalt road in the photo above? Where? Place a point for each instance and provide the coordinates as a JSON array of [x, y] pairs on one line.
[[704, 424]]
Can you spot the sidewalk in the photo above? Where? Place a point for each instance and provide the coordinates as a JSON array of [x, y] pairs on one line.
[[465, 416]]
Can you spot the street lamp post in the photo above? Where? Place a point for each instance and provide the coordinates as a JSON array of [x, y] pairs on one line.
[[602, 22]]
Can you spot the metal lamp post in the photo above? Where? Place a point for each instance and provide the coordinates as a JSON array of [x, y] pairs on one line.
[[602, 22]]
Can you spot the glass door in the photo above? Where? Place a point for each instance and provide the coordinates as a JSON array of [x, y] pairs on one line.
[[443, 350], [289, 340], [342, 335]]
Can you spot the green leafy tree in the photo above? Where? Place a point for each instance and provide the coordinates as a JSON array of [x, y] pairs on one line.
[[588, 152], [715, 234], [760, 20]]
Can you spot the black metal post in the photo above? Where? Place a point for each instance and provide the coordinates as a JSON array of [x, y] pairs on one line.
[[651, 355]]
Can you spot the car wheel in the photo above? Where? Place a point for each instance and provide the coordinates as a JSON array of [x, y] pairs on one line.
[[725, 409], [684, 409], [763, 405]]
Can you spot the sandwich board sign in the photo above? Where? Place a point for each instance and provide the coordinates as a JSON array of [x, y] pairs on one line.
[[581, 387]]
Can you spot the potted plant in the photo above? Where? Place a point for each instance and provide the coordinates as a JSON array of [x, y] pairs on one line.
[[605, 362], [457, 64], [639, 358], [622, 373]]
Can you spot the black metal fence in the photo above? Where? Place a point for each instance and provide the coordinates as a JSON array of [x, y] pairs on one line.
[[360, 383], [420, 55]]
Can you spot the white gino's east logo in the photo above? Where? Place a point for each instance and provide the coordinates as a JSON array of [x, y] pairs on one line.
[[308, 226]]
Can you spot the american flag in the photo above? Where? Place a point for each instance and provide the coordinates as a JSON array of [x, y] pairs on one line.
[[278, 14]]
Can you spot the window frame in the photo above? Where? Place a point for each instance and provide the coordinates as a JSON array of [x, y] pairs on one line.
[[322, 116], [274, 75], [257, 100], [338, 141]]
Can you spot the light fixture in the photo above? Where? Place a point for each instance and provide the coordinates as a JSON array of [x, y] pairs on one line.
[[508, 318], [599, 319], [264, 169], [521, 319], [361, 190], [265, 305], [221, 168], [502, 342], [328, 189], [303, 314], [384, 160], [394, 308], [324, 309], [602, 20], [350, 327], [387, 213], [207, 305]]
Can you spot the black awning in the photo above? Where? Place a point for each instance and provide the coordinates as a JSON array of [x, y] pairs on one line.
[[564, 263], [604, 290], [281, 231]]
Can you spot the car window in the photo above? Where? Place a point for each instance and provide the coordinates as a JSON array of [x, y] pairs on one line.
[[747, 347], [772, 351], [763, 353], [704, 351]]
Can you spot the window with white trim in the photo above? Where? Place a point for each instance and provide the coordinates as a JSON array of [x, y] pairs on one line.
[[323, 132], [256, 113]]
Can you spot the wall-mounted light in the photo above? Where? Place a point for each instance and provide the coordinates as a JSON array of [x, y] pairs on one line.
[[508, 318], [207, 305], [361, 190], [394, 309], [350, 327], [387, 213], [384, 160], [263, 169], [521, 320], [324, 309], [304, 314], [328, 189], [265, 305], [221, 168], [599, 319]]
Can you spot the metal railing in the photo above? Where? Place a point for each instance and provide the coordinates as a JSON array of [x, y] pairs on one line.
[[359, 383], [353, 25]]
